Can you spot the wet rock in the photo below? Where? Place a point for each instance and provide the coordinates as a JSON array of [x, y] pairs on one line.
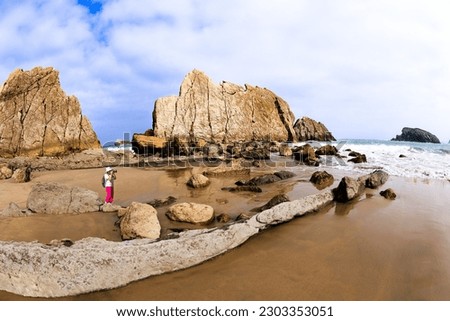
[[375, 179], [54, 198], [223, 218], [22, 175], [243, 216], [260, 180], [306, 155], [273, 201], [13, 210], [284, 174], [348, 189], [359, 159], [232, 169], [402, 156], [140, 221], [243, 188], [61, 242], [322, 179], [327, 150], [198, 181], [163, 202], [285, 150], [354, 154], [388, 194], [191, 213]]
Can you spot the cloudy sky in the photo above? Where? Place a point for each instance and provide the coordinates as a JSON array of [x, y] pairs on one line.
[[365, 68]]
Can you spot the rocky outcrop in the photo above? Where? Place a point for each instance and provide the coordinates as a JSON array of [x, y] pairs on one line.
[[139, 221], [222, 112], [55, 198], [416, 135], [38, 270], [309, 129], [38, 119]]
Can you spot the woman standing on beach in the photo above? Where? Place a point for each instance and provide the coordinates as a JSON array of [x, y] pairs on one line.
[[108, 179]]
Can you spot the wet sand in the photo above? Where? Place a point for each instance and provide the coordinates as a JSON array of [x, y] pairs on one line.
[[373, 249]]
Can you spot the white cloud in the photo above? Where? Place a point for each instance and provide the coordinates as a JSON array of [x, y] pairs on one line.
[[364, 68]]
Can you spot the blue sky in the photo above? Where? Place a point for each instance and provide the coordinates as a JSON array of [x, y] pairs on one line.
[[363, 68]]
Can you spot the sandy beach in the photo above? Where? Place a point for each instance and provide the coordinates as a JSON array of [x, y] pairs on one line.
[[373, 249]]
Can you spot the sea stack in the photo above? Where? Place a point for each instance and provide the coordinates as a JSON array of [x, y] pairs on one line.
[[416, 135], [222, 113], [38, 119]]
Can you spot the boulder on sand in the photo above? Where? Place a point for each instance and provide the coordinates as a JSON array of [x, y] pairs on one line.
[[321, 179], [55, 198], [191, 213], [198, 181], [348, 189], [139, 221]]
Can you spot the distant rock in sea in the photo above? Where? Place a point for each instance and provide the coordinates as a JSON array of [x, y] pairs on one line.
[[225, 112], [38, 119], [416, 135]]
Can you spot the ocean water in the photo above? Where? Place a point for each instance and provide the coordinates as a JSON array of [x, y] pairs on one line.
[[423, 160]]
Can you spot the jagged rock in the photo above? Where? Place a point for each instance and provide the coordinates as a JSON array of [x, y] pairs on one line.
[[191, 213], [5, 172], [416, 135], [37, 118], [273, 201], [389, 194], [222, 113], [306, 155], [22, 175], [359, 159], [308, 129], [348, 189], [140, 221], [243, 188], [13, 210], [322, 179], [198, 181], [260, 180], [375, 179], [285, 150], [146, 144], [54, 198]]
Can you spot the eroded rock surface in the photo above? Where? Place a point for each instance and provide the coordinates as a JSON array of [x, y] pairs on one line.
[[38, 119]]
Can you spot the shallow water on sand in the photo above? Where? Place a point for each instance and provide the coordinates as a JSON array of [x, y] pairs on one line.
[[373, 249]]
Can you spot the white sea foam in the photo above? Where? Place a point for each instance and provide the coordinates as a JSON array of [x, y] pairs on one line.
[[422, 160]]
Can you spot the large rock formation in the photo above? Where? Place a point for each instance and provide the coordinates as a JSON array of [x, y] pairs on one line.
[[416, 135], [222, 113], [308, 129], [38, 119]]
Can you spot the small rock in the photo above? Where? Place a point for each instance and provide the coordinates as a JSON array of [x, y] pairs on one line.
[[22, 175], [13, 210], [321, 178], [243, 217], [348, 189], [402, 156], [359, 159], [223, 218], [62, 242], [191, 213], [244, 188], [285, 150], [198, 181], [388, 194], [327, 150], [376, 179], [273, 201], [260, 180], [5, 172], [109, 207], [284, 174], [163, 202]]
